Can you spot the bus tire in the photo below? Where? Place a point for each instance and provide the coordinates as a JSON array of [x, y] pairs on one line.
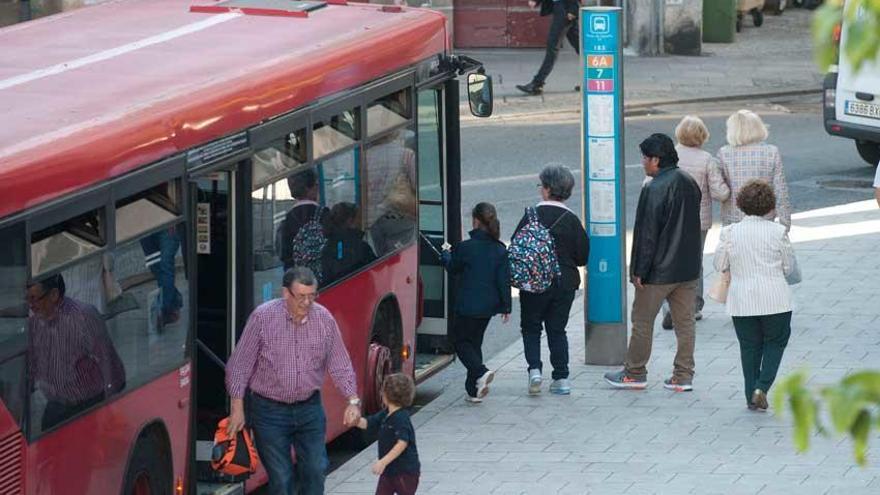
[[388, 331], [148, 470], [869, 151], [378, 367]]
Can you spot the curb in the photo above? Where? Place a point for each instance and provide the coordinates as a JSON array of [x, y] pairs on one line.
[[640, 107]]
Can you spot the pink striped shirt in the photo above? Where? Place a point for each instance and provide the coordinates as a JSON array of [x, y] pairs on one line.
[[72, 358], [285, 360]]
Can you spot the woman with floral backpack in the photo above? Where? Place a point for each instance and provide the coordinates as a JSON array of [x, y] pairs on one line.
[[546, 249]]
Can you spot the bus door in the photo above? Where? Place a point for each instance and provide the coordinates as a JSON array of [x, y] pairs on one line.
[[434, 350], [214, 219]]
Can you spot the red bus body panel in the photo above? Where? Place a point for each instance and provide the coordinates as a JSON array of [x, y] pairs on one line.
[[79, 126], [89, 455], [92, 94]]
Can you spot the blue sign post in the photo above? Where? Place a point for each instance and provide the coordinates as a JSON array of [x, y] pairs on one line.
[[603, 174]]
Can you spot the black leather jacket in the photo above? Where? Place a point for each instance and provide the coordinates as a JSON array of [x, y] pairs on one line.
[[571, 6], [666, 238]]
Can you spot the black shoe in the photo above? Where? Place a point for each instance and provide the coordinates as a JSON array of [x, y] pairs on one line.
[[531, 88], [577, 88], [667, 321]]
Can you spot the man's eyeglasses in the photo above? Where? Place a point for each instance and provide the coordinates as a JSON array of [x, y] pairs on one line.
[[304, 297]]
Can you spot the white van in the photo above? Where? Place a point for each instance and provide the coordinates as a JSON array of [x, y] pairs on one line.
[[852, 104]]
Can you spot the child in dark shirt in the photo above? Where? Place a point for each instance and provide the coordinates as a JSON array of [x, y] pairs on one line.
[[398, 465]]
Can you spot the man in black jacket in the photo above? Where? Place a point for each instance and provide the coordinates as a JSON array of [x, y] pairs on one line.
[[563, 24], [664, 264]]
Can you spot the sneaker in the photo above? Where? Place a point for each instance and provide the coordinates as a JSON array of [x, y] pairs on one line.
[[667, 321], [678, 384], [698, 315], [472, 400], [560, 387], [619, 379], [759, 399], [483, 383], [535, 381]]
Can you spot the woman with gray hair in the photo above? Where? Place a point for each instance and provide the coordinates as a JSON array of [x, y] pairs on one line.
[[746, 157], [549, 309]]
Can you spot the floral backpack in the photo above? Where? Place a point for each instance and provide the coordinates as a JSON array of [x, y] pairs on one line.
[[308, 243], [532, 255]]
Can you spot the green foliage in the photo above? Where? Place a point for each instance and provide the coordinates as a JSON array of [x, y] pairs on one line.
[[853, 407], [863, 35]]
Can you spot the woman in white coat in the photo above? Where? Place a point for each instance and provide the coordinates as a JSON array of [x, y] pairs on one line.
[[758, 254]]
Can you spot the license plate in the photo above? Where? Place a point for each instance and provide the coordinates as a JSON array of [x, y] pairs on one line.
[[862, 109]]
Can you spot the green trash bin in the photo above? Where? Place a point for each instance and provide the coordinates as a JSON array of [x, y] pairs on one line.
[[719, 21]]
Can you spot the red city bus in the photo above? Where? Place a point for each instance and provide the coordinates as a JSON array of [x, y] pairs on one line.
[[154, 162]]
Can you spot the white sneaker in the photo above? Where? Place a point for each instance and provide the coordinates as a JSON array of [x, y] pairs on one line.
[[560, 387], [535, 381], [483, 383], [472, 400]]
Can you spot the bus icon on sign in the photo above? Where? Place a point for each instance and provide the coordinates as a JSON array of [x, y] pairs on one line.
[[600, 24]]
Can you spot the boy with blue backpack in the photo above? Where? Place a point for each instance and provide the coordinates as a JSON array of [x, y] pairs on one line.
[[546, 249]]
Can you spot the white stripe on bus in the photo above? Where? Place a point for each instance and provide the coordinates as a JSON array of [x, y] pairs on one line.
[[115, 52]]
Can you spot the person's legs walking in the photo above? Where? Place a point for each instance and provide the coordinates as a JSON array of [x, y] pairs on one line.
[[468, 336], [558, 25], [644, 311], [681, 306], [698, 300], [573, 35], [777, 330], [748, 332], [555, 320], [273, 424], [308, 443], [532, 308]]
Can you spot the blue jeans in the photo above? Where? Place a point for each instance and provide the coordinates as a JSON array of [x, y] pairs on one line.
[[160, 249], [278, 427]]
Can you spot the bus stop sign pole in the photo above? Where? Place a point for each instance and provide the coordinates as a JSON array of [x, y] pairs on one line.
[[603, 176]]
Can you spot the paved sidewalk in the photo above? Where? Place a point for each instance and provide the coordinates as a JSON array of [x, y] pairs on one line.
[[774, 58], [600, 440]]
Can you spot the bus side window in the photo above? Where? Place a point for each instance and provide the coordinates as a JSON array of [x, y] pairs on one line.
[[391, 203], [13, 320]]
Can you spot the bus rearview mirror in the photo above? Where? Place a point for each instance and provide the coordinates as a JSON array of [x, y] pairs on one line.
[[479, 87]]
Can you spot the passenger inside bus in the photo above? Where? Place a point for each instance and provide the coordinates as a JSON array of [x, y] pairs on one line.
[[392, 204], [73, 362], [304, 187], [345, 250]]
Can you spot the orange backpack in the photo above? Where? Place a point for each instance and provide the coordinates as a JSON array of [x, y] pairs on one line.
[[233, 455]]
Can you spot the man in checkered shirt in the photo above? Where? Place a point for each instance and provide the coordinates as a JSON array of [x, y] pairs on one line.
[[287, 347]]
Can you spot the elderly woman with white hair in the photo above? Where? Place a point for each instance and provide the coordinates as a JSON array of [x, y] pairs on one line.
[[748, 157], [691, 134]]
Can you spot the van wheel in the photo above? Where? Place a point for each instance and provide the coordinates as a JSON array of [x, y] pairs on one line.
[[147, 470], [869, 151]]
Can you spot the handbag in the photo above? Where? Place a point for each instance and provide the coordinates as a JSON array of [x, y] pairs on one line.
[[718, 289], [794, 277]]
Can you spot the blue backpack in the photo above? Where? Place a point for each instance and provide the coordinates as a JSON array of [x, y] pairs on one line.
[[532, 256], [308, 243]]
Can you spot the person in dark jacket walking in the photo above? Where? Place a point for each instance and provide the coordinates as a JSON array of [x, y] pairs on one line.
[[664, 264], [549, 310], [483, 292], [345, 250], [564, 24]]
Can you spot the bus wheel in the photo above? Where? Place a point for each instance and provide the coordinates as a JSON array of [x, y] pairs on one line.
[[378, 367], [147, 469]]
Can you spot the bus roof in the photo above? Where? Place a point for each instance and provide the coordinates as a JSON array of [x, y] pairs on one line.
[[97, 92]]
